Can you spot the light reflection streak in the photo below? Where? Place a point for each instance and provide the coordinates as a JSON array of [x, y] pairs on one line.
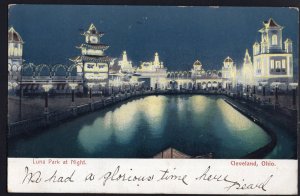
[[123, 121], [93, 136], [233, 119], [153, 109]]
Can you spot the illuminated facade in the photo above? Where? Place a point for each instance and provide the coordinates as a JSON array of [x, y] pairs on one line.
[[92, 64], [126, 66], [272, 62], [196, 78], [155, 72], [229, 72], [15, 53], [153, 66], [197, 69]]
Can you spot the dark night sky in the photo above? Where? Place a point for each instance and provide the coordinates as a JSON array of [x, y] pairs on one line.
[[179, 34]]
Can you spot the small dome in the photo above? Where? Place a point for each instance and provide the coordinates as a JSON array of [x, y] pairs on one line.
[[197, 62], [228, 60], [14, 36]]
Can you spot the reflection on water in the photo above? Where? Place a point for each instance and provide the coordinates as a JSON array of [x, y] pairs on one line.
[[153, 110], [143, 127], [232, 118]]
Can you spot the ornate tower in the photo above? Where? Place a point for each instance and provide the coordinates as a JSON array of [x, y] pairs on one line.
[[93, 64], [272, 62]]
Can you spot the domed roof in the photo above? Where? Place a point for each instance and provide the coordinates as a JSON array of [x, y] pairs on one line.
[[13, 36], [197, 62], [228, 60]]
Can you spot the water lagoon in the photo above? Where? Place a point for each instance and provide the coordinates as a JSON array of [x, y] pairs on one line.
[[143, 127]]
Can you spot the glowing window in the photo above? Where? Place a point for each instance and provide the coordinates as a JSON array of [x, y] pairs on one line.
[[272, 64], [283, 64], [278, 64], [274, 39]]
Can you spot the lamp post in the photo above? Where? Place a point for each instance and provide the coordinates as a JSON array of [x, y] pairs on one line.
[[20, 100], [21, 91], [73, 87], [238, 88], [264, 89], [90, 86], [276, 84], [294, 89], [101, 88], [46, 88], [14, 85], [229, 87]]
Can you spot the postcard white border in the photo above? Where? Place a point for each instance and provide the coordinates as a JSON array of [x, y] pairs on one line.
[[279, 176]]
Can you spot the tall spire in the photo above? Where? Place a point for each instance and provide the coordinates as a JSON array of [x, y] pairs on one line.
[[247, 58], [156, 59], [92, 27], [124, 56]]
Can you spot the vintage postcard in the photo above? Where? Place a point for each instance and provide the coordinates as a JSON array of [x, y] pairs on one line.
[[152, 99]]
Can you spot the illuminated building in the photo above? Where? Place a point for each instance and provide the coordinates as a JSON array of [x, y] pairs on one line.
[[92, 64], [229, 72], [197, 69], [154, 72], [272, 62], [15, 53], [126, 66]]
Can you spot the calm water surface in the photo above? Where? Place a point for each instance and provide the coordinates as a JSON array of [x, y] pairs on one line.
[[141, 128]]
